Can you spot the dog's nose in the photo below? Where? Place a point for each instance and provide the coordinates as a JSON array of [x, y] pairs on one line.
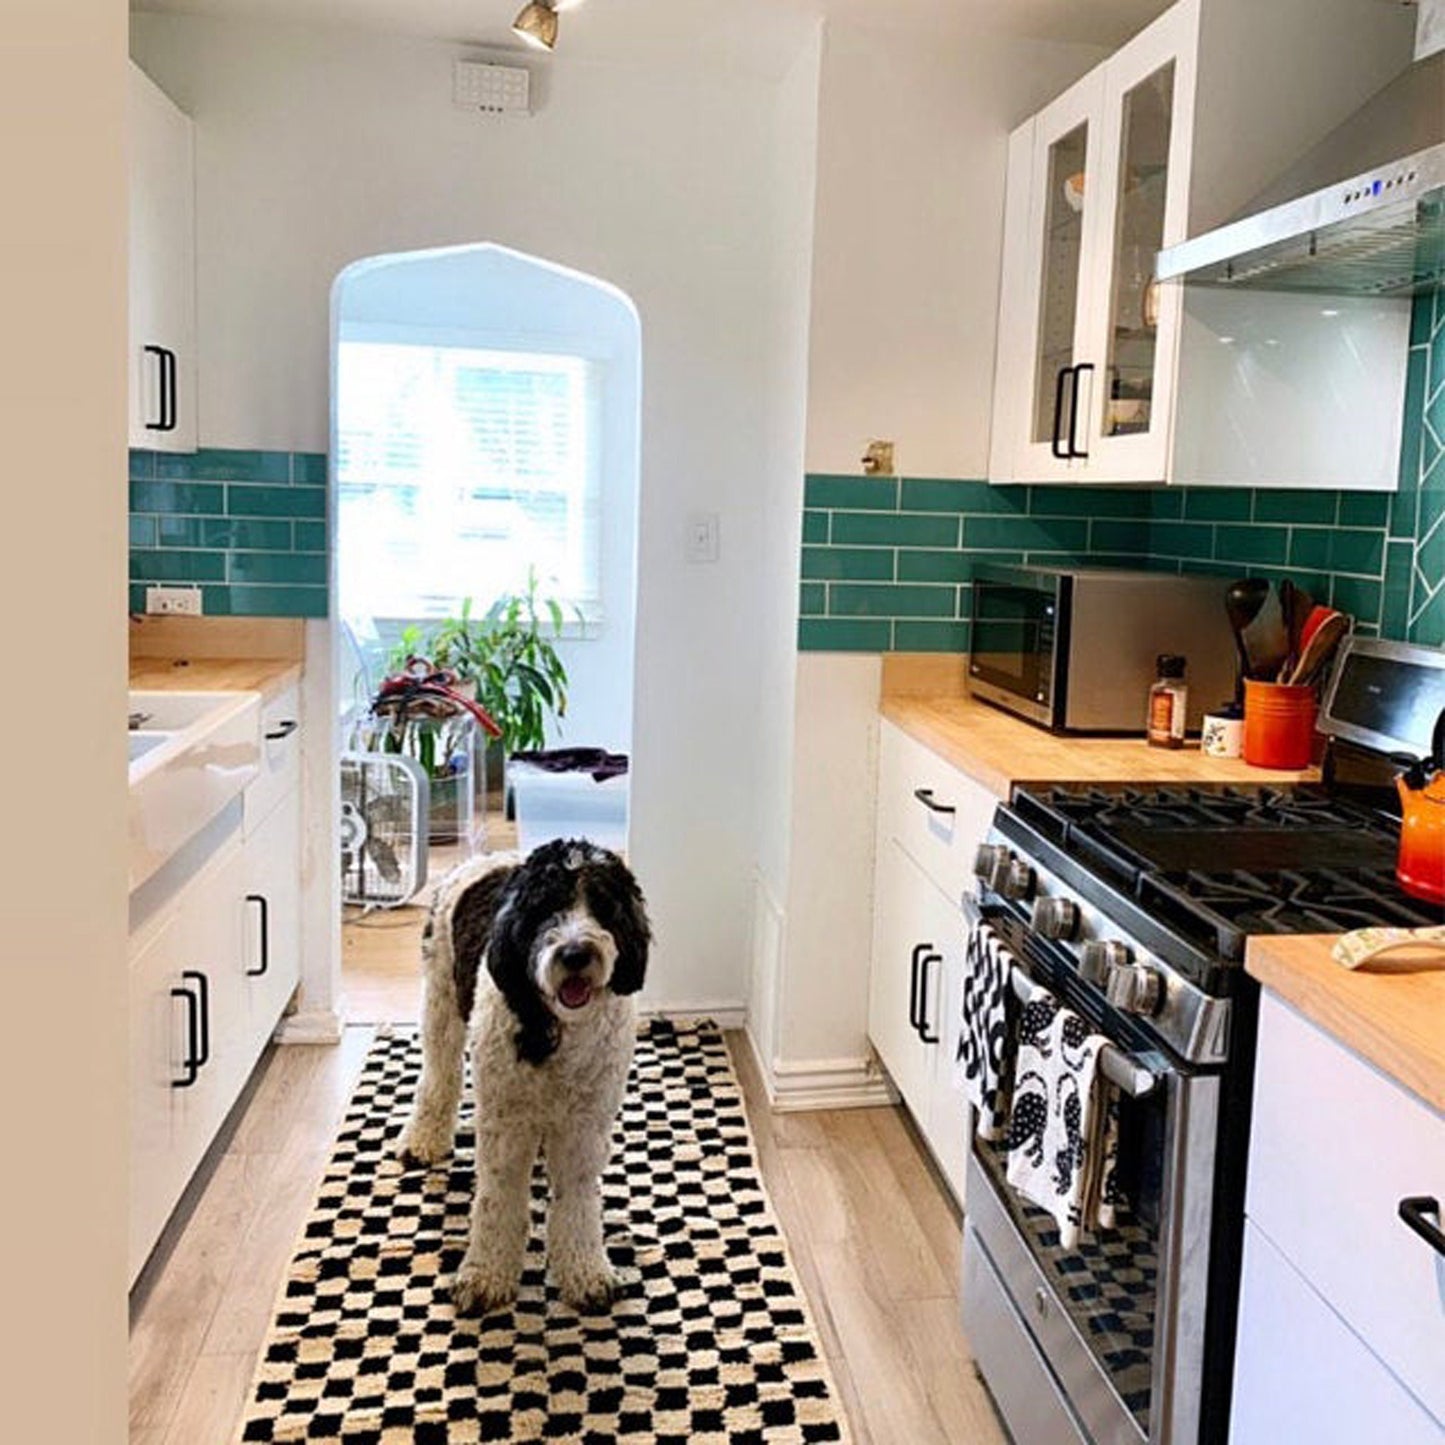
[[575, 956]]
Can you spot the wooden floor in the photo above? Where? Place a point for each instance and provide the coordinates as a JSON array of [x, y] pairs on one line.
[[872, 1234]]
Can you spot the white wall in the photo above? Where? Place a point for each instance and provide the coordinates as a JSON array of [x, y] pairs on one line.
[[677, 184], [487, 296], [913, 135], [63, 884]]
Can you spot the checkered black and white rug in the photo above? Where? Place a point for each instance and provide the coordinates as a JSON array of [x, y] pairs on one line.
[[712, 1343]]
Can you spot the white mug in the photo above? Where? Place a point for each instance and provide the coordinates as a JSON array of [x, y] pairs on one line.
[[1223, 737]]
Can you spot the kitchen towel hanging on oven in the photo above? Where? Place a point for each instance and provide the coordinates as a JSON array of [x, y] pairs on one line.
[[981, 1064], [1063, 1139]]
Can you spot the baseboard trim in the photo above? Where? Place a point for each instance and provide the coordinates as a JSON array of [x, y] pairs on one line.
[[795, 1086], [725, 1015], [310, 1026]]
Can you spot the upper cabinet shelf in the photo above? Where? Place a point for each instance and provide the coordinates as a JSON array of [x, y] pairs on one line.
[[1103, 374], [162, 270]]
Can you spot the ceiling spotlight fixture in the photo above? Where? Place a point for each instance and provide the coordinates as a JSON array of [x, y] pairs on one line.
[[536, 23]]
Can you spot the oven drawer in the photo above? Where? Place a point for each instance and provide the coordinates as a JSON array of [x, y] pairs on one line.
[[940, 841], [1336, 1146]]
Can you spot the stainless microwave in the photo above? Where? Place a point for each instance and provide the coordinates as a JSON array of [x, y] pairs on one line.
[[1074, 649]]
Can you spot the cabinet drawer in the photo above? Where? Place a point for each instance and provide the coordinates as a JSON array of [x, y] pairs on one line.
[[280, 756], [1336, 1146], [940, 841], [1300, 1374]]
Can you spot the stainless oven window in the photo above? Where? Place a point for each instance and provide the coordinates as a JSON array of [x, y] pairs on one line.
[[1013, 638]]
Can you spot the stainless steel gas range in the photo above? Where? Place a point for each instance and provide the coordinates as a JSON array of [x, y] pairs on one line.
[[1132, 906]]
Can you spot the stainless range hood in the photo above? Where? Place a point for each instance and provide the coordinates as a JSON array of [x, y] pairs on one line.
[[1362, 214]]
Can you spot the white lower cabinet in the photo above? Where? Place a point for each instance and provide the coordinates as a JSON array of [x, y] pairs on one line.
[[1342, 1312], [211, 972], [931, 818]]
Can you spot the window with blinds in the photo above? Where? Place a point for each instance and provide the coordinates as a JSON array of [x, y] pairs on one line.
[[458, 469]]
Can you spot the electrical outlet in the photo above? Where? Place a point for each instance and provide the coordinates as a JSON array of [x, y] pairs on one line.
[[702, 537], [174, 601]]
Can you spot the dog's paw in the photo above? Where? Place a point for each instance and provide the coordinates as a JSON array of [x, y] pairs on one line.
[[418, 1149], [592, 1289], [477, 1291]]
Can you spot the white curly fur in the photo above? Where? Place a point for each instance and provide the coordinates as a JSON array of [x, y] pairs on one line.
[[565, 1106]]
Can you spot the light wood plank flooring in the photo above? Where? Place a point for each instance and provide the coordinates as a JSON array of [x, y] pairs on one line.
[[872, 1234]]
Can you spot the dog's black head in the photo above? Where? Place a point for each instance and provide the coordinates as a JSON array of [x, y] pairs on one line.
[[570, 923]]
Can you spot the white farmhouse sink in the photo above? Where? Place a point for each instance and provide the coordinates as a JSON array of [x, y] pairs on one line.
[[190, 755]]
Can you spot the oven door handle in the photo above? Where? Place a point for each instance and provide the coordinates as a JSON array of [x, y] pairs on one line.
[[1121, 1069]]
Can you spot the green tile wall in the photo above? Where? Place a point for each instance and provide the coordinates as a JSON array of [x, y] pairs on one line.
[[247, 527], [887, 562]]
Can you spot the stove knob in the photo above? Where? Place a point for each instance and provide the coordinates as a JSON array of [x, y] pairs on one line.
[[991, 863], [1099, 959], [1056, 918], [1135, 988], [1019, 881]]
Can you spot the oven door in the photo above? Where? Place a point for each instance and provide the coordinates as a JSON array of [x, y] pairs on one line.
[[1016, 629], [1118, 1323]]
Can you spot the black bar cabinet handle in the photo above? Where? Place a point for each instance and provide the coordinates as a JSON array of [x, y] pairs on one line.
[[189, 1064], [204, 984], [283, 730], [175, 410], [1074, 412], [1415, 1211], [159, 352], [260, 898], [929, 957], [918, 949], [925, 796], [1057, 440]]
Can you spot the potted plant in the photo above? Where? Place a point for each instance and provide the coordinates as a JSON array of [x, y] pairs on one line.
[[509, 655]]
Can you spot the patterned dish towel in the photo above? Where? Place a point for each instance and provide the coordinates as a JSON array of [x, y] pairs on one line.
[[981, 1063], [1063, 1138]]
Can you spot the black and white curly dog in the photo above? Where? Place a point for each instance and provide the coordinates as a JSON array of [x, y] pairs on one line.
[[542, 956]]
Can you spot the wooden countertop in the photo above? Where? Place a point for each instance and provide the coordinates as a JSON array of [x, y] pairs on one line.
[[266, 675], [1392, 1011], [999, 750]]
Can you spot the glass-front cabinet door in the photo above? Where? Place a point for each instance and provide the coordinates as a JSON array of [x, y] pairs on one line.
[[1133, 331], [1055, 303]]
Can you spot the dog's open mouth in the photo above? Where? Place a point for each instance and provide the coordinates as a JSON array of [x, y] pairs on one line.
[[574, 992]]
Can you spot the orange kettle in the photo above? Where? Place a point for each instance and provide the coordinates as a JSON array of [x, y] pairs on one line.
[[1421, 864]]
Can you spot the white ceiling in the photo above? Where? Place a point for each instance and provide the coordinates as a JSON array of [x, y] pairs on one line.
[[744, 30]]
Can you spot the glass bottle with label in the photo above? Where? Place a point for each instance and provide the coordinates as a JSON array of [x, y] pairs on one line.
[[1168, 703]]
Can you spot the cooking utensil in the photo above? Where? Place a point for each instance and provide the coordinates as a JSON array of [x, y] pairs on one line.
[[1266, 641], [1317, 614], [1321, 647], [1242, 601], [1296, 605]]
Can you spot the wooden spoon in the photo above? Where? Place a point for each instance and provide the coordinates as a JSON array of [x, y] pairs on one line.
[[1320, 649]]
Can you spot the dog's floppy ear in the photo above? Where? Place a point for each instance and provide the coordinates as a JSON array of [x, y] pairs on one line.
[[618, 900], [509, 963]]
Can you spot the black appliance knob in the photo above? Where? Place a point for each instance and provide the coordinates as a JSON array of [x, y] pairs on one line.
[[1135, 988], [1100, 958], [1056, 918], [991, 864], [1019, 880]]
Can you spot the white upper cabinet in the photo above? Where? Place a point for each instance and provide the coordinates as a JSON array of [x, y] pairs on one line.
[[162, 270], [1102, 374]]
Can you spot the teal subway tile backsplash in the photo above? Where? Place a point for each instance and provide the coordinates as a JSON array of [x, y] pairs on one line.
[[1377, 556], [247, 527]]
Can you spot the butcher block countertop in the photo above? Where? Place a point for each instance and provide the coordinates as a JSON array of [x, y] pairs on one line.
[[266, 675], [999, 750], [1391, 1012]]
